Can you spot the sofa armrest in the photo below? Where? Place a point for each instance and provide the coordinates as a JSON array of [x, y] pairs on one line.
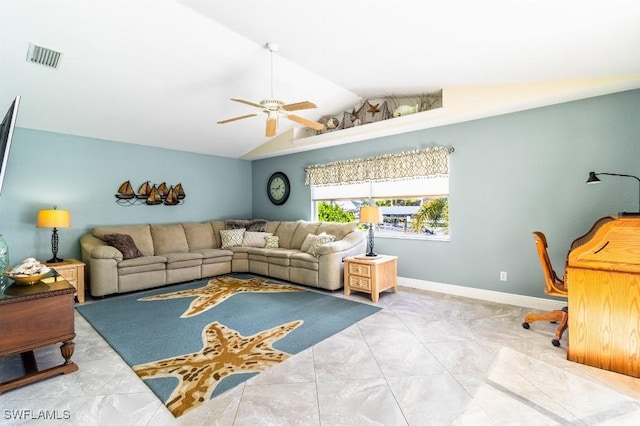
[[350, 241], [102, 265], [330, 255], [93, 247]]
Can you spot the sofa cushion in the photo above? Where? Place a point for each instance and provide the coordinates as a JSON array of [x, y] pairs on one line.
[[142, 264], [231, 238], [141, 235], [183, 260], [217, 225], [210, 256], [285, 233], [304, 260], [125, 244], [302, 230], [199, 235], [313, 250], [272, 226], [255, 239], [180, 257], [169, 238]]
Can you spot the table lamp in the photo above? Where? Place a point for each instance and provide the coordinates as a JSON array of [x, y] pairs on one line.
[[370, 215], [54, 219]]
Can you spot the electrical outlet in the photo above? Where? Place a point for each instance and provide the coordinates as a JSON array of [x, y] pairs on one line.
[[503, 276]]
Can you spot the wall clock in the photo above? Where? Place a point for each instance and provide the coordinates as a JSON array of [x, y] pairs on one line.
[[278, 188]]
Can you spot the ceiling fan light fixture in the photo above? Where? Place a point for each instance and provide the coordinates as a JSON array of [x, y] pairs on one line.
[[275, 107]]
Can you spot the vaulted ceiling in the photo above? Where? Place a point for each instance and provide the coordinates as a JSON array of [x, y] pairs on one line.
[[162, 72]]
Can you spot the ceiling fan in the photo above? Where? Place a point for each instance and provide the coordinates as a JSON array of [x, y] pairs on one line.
[[275, 107]]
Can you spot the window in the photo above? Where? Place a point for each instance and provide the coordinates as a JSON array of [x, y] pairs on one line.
[[412, 190]]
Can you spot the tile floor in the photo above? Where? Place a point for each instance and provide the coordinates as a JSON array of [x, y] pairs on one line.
[[425, 359]]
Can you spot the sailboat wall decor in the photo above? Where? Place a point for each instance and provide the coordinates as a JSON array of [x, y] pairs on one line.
[[150, 194]]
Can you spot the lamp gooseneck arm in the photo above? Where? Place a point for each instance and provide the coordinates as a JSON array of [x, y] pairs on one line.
[[631, 176]]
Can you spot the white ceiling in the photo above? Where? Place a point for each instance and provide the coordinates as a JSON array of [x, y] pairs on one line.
[[162, 72]]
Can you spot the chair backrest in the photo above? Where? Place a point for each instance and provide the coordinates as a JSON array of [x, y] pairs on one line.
[[554, 286]]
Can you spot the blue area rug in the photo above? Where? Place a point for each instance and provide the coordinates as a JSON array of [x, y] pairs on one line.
[[191, 342]]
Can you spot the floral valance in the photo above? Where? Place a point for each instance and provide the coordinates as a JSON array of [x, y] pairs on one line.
[[402, 165]]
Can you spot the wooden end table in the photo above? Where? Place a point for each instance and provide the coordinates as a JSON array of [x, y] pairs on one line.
[[34, 316], [372, 274], [72, 270]]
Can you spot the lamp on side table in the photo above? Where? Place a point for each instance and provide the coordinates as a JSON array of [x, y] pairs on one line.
[[54, 219], [370, 215]]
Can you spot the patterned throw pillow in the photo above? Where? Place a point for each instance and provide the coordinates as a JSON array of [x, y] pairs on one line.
[[309, 239], [231, 237], [125, 244], [272, 241], [313, 250], [255, 239]]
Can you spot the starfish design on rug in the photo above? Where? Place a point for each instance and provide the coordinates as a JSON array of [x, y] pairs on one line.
[[220, 289], [225, 352], [374, 109]]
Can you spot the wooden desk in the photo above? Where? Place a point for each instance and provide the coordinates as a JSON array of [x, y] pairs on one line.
[[370, 274], [32, 317], [603, 279]]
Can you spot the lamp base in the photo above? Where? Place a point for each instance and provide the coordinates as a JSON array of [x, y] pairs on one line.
[[55, 260], [371, 254]]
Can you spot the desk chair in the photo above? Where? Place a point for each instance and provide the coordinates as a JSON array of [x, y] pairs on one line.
[[554, 287]]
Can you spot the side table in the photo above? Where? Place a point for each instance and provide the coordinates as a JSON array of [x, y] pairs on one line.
[[34, 316], [72, 270], [370, 274]]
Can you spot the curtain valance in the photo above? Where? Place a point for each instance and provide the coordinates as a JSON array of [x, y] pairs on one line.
[[425, 162]]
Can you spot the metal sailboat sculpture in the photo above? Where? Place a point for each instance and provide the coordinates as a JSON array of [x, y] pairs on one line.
[[150, 194]]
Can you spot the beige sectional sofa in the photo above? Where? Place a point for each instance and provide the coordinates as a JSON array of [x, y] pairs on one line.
[[171, 253]]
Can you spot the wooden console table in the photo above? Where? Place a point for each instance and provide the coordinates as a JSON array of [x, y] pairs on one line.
[[370, 274], [34, 316]]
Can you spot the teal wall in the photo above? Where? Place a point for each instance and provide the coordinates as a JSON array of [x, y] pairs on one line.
[[510, 175], [83, 175]]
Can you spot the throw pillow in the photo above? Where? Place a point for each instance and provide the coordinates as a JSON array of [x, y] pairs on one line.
[[125, 244], [231, 237], [309, 239], [255, 239], [313, 250], [272, 241]]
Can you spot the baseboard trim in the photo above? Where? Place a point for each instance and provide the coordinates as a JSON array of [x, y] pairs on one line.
[[481, 294]]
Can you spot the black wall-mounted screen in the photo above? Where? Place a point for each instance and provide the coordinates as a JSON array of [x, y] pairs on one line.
[[6, 133]]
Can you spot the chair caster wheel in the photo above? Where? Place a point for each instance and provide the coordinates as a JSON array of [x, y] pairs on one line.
[[525, 325], [556, 343]]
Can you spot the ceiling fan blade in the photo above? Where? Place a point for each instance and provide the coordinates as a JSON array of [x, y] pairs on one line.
[[271, 127], [242, 101], [299, 105], [306, 122], [228, 120]]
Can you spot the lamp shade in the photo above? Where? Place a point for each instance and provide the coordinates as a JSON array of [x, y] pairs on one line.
[[370, 214], [593, 178], [53, 219]]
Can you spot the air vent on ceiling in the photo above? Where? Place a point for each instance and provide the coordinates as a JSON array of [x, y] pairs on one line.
[[43, 56]]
